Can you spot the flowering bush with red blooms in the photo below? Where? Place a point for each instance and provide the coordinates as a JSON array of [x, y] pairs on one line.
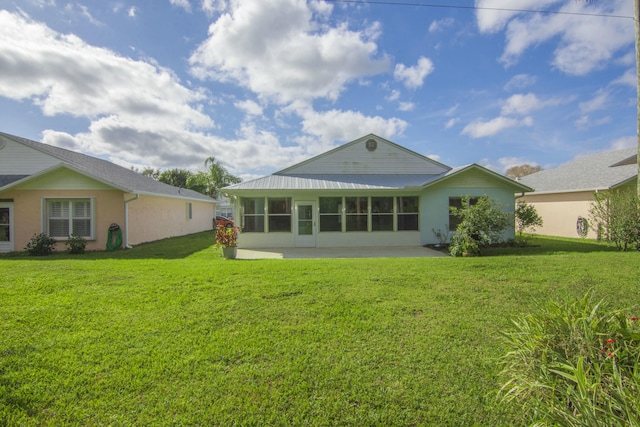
[[574, 363], [227, 237]]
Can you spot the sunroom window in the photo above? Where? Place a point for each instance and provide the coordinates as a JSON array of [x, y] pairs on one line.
[[253, 215], [65, 217], [280, 214], [356, 213], [330, 213], [408, 213], [382, 214]]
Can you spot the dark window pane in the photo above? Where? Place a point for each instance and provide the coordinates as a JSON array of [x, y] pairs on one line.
[[82, 227], [408, 222], [253, 223], [59, 227], [356, 205], [253, 206], [382, 204], [382, 222], [408, 204], [279, 223], [356, 223], [280, 206], [330, 204], [330, 223]]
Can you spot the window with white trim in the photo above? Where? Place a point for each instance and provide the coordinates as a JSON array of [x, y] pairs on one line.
[[65, 217]]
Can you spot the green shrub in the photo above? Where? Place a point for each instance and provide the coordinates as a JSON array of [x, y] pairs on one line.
[[617, 214], [76, 244], [574, 363], [481, 224], [40, 244]]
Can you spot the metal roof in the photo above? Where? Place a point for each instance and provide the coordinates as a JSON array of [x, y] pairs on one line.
[[604, 170], [107, 172], [333, 182]]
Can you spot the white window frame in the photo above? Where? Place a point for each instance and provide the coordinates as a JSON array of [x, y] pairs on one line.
[[92, 217]]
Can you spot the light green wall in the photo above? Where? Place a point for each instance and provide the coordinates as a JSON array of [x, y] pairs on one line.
[[434, 203]]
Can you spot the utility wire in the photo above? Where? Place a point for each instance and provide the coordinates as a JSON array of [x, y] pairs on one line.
[[447, 6]]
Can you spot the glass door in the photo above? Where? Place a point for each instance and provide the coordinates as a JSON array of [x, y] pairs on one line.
[[305, 224], [6, 227]]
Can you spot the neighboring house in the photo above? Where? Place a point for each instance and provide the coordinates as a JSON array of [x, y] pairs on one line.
[[224, 207], [369, 192], [46, 189], [563, 195]]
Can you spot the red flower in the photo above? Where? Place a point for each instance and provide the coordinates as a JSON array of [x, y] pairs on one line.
[[633, 319], [610, 341], [609, 354]]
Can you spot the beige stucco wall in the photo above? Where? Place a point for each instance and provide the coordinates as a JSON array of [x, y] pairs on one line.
[[27, 213], [154, 218], [560, 212]]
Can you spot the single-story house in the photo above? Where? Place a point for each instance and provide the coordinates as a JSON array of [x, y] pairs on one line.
[[51, 190], [563, 196], [368, 192]]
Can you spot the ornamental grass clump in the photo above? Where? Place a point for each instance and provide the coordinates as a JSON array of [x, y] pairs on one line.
[[574, 363]]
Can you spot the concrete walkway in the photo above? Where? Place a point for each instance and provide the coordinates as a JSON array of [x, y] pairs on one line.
[[355, 252]]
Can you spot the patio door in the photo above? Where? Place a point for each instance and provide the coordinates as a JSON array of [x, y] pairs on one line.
[[305, 224], [6, 227]]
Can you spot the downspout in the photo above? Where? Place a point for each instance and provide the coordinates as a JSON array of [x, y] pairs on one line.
[[126, 220]]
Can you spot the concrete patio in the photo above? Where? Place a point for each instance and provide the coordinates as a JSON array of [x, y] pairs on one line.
[[352, 252]]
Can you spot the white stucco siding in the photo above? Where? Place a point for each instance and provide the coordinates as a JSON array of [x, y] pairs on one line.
[[154, 218], [560, 212], [17, 159]]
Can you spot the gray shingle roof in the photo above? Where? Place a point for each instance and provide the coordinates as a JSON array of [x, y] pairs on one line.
[[8, 179], [598, 171], [107, 172]]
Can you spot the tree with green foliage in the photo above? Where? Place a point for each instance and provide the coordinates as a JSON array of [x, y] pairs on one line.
[[175, 177], [481, 224], [617, 214], [527, 218], [219, 176]]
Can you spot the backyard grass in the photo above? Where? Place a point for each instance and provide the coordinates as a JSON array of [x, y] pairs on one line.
[[170, 334]]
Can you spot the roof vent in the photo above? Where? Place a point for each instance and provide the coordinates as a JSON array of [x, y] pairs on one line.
[[371, 144]]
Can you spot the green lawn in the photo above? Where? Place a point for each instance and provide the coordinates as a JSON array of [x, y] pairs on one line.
[[171, 334]]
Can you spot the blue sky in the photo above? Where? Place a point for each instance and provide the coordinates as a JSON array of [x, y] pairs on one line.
[[262, 85]]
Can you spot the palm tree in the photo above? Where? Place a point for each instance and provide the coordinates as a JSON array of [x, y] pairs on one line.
[[219, 176]]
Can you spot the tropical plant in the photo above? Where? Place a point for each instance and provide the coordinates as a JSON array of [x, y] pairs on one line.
[[574, 362], [219, 176], [175, 177], [226, 237], [40, 244]]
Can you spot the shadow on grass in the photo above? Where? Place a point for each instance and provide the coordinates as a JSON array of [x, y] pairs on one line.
[[546, 245], [171, 248]]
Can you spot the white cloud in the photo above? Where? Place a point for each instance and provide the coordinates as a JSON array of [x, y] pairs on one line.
[[629, 78], [585, 122], [519, 81], [440, 25], [585, 43], [413, 77], [182, 3], [406, 106], [393, 96], [132, 12], [493, 15], [598, 102], [525, 103], [624, 142], [508, 162], [451, 123], [250, 107], [280, 51], [451, 111], [338, 125], [479, 129]]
